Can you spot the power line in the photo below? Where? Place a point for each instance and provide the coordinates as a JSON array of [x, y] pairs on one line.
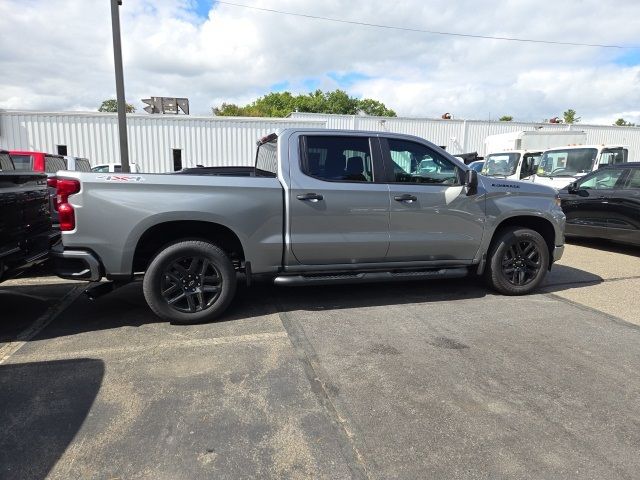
[[419, 30]]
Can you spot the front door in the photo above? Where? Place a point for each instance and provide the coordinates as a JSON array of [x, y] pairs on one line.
[[624, 222], [589, 210], [339, 211], [431, 216]]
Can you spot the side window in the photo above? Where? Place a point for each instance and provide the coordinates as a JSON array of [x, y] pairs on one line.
[[416, 163], [346, 159], [633, 182], [100, 169], [602, 180], [530, 164], [613, 156]]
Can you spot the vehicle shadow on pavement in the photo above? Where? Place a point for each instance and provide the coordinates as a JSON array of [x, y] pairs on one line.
[[21, 305], [563, 277], [42, 407], [126, 306]]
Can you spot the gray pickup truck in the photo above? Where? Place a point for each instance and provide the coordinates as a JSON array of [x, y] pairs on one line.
[[320, 206]]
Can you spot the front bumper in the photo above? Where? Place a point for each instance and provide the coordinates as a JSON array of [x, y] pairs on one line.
[[76, 264]]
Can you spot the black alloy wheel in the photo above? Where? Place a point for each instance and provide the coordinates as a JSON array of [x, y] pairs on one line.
[[190, 281], [517, 261], [521, 262], [191, 284]]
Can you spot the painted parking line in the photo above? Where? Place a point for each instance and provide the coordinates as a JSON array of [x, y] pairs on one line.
[[155, 347]]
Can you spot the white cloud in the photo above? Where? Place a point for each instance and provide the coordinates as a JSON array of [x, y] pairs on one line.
[[57, 55]]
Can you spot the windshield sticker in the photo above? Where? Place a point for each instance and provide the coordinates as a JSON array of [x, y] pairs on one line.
[[120, 178]]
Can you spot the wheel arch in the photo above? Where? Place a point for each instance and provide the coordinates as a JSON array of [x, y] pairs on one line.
[[536, 223], [157, 237]]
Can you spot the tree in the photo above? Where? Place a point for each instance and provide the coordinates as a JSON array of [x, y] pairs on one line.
[[281, 104], [111, 105], [506, 118], [621, 122], [570, 116]]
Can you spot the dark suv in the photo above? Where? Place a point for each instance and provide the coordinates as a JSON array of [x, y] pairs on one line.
[[605, 204]]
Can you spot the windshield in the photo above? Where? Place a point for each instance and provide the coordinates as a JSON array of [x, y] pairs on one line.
[[567, 163], [501, 164]]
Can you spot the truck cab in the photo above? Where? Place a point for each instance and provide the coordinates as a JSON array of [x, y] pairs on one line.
[[563, 165]]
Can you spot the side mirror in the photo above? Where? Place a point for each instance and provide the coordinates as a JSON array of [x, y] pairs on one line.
[[572, 188], [471, 182]]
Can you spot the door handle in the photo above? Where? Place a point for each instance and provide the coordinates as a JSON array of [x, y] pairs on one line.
[[405, 198], [313, 197]]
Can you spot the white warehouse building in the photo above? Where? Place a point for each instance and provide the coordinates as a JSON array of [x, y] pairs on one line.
[[158, 143]]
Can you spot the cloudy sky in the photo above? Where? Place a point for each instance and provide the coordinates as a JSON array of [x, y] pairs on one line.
[[57, 54]]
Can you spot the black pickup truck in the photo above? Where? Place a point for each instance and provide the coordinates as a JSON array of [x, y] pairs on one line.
[[25, 218]]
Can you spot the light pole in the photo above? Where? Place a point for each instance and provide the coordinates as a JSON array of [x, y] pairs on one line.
[[122, 107]]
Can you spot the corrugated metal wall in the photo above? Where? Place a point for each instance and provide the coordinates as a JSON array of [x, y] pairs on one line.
[[211, 141], [231, 140], [461, 136]]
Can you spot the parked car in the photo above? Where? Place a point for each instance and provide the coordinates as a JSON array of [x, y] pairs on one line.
[[25, 221], [605, 204], [560, 166], [320, 206], [114, 168]]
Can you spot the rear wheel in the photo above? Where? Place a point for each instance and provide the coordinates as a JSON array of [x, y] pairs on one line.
[[518, 261], [190, 282]]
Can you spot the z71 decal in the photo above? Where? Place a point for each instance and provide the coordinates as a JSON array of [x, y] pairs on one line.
[[120, 178]]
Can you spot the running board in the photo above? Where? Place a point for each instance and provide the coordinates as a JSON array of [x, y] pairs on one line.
[[367, 277]]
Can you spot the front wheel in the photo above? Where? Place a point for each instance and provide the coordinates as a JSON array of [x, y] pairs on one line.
[[189, 282], [518, 261]]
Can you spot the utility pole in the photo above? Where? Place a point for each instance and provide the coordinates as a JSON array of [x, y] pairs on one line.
[[122, 106]]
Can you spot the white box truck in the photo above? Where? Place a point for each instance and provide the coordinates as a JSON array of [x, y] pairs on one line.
[[516, 155]]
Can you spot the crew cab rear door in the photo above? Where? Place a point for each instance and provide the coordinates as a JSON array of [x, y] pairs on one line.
[[338, 207], [431, 217]]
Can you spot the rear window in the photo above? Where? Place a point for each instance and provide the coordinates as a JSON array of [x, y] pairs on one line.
[[22, 162], [83, 165], [267, 157], [5, 162], [53, 164]]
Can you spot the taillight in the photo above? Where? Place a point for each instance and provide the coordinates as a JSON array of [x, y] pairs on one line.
[[66, 214]]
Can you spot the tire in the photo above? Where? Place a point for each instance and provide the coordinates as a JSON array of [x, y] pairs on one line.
[[518, 261], [189, 282]]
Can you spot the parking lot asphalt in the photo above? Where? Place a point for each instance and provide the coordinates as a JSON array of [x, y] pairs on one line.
[[407, 380]]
